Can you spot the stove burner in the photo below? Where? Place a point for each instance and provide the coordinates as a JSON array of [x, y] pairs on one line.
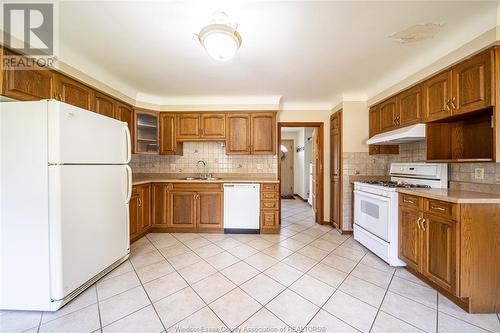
[[393, 184]]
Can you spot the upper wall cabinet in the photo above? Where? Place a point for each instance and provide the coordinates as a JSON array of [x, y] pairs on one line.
[[263, 133], [168, 139], [146, 131], [410, 106], [201, 126], [437, 96], [104, 105], [374, 120], [125, 113], [472, 84], [73, 92], [238, 134], [389, 114], [27, 85]]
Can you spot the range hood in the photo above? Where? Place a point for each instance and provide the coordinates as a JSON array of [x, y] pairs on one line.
[[400, 135]]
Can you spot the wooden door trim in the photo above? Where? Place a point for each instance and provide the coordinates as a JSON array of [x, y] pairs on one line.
[[320, 127]]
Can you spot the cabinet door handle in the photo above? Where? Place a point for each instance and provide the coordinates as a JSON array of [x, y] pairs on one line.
[[446, 106], [418, 223], [438, 208], [140, 202], [453, 103], [423, 224], [409, 201]]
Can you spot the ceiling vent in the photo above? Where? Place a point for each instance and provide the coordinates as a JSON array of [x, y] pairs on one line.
[[416, 33]]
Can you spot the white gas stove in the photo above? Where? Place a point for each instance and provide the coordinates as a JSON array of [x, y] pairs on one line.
[[376, 205]]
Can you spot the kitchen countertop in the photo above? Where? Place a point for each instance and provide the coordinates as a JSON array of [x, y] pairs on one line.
[[454, 195], [145, 178]]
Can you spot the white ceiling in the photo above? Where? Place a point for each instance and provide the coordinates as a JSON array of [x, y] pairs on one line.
[[304, 52]]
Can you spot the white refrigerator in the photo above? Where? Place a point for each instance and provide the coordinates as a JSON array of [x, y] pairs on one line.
[[65, 188]]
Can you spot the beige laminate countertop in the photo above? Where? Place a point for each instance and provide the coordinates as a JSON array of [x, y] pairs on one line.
[[145, 178], [453, 195]]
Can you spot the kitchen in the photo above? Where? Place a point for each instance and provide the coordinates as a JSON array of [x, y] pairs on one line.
[[173, 218]]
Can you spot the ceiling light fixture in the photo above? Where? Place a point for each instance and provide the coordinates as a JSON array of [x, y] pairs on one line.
[[220, 38]]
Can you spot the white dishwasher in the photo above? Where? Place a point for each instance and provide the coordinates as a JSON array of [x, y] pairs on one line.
[[241, 208]]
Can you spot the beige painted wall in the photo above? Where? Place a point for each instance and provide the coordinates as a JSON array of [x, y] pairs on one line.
[[315, 116], [355, 126]]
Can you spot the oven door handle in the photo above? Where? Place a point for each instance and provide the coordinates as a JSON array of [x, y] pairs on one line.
[[373, 196]]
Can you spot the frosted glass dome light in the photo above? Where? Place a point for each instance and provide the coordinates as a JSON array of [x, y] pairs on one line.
[[220, 38]]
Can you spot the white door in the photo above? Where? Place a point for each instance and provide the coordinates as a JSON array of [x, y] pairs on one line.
[[371, 212], [78, 136], [88, 222]]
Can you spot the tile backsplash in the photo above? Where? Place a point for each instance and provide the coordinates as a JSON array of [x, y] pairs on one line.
[[212, 153], [378, 165]]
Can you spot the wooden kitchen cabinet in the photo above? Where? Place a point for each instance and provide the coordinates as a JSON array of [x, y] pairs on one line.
[[213, 126], [453, 247], [374, 116], [73, 92], [140, 211], [125, 113], [269, 208], [410, 106], [263, 133], [188, 126], [146, 131], [437, 93], [440, 251], [472, 83], [389, 114], [104, 105], [27, 85], [201, 126], [168, 138], [187, 207], [209, 210], [410, 238], [182, 213], [238, 134]]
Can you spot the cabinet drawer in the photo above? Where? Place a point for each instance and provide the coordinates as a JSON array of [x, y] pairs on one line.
[[269, 196], [408, 200], [440, 208], [269, 219], [269, 204], [197, 187], [269, 187]]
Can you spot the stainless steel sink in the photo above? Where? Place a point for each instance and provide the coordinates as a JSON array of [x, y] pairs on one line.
[[199, 178]]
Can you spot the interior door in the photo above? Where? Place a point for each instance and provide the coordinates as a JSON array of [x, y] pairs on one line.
[[315, 172], [286, 157], [89, 222]]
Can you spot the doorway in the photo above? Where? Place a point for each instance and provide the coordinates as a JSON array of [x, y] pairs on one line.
[[287, 168], [300, 168]]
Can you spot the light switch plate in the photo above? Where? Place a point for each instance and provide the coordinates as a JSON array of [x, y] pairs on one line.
[[479, 173]]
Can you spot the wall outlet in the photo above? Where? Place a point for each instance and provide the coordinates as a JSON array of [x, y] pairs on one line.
[[498, 179], [479, 173], [260, 166]]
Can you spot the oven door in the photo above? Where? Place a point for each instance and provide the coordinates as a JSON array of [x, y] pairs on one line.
[[371, 212]]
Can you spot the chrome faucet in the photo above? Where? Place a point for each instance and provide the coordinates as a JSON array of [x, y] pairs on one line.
[[202, 163]]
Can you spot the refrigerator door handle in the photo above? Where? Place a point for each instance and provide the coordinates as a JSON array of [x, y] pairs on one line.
[[129, 184], [129, 145]]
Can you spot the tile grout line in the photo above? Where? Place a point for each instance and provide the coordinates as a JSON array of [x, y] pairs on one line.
[[98, 307], [382, 302]]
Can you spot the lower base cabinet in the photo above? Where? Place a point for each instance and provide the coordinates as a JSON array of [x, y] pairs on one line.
[[139, 211], [269, 208], [454, 248], [188, 207]]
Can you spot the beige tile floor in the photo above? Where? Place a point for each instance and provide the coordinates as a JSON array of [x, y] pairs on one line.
[[307, 278]]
